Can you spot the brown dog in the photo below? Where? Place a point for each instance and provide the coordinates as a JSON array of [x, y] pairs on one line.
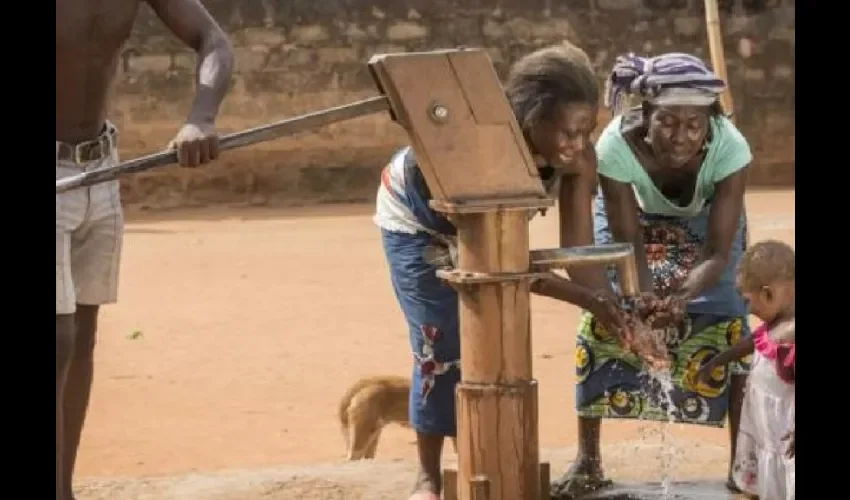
[[367, 406]]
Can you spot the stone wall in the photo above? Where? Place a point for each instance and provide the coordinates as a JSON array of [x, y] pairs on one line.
[[295, 56]]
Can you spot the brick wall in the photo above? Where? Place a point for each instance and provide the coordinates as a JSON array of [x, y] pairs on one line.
[[295, 56]]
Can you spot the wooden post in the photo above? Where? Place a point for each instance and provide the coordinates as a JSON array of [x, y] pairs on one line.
[[479, 488], [474, 159], [545, 478], [449, 484], [481, 175], [497, 396]]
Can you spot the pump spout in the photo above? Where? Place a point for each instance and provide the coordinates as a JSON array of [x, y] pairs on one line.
[[622, 255]]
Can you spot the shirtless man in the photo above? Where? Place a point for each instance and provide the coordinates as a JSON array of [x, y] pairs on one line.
[[90, 35]]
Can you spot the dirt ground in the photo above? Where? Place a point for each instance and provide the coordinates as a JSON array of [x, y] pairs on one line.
[[218, 373]]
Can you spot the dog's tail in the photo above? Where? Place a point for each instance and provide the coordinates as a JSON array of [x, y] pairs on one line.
[[343, 420], [342, 410]]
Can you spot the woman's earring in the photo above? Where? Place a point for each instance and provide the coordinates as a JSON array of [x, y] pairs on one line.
[[647, 140]]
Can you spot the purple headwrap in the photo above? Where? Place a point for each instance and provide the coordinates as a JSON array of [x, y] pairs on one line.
[[668, 79]]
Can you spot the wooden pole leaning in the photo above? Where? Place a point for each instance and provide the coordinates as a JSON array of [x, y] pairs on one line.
[[718, 64]]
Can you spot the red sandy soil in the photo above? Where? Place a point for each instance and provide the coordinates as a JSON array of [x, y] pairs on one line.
[[238, 329]]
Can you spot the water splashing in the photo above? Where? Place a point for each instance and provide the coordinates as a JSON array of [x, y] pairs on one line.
[[651, 345]]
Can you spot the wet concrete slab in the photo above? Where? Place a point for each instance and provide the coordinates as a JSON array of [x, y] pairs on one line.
[[690, 490]]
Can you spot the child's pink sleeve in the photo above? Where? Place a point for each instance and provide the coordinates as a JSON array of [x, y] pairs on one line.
[[762, 342]]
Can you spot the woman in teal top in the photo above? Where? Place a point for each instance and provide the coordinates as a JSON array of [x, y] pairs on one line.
[[672, 177]]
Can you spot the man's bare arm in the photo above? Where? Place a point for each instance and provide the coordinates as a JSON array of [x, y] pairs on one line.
[[190, 21]]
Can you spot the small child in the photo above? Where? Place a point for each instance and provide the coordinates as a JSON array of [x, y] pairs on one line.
[[764, 459]]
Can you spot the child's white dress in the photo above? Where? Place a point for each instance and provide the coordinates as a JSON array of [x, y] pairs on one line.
[[761, 467]]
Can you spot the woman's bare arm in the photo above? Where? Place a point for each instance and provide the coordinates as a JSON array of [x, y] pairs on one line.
[[722, 226], [559, 288], [622, 210], [575, 214]]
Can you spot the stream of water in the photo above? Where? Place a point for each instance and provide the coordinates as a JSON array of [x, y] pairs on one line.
[[663, 387], [660, 393]]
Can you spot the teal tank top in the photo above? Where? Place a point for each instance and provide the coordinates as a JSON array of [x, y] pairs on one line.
[[728, 152]]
